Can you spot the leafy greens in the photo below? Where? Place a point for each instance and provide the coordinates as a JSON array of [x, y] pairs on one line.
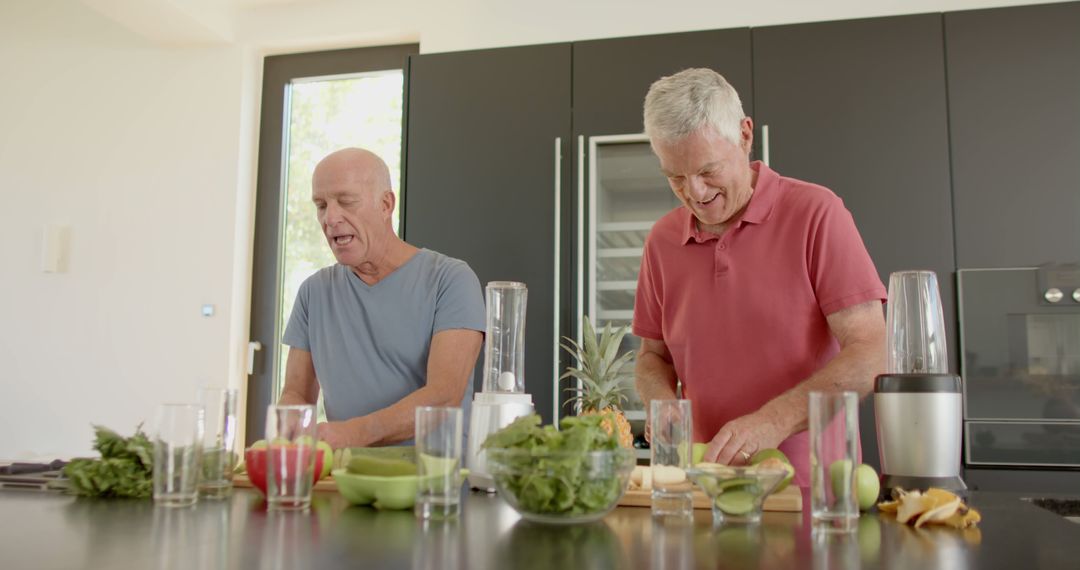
[[555, 472], [124, 470]]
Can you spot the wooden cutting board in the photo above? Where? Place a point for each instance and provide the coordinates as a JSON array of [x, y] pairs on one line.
[[789, 500]]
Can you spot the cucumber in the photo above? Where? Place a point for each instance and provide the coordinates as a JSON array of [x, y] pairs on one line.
[[380, 466], [735, 502]]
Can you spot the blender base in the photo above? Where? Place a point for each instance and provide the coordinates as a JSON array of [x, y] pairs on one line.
[[910, 483]]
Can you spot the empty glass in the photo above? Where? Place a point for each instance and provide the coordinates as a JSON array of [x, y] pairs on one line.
[[290, 456], [178, 437], [219, 445], [672, 437], [438, 457], [834, 454]]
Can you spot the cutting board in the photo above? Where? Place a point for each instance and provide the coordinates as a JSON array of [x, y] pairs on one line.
[[789, 500], [327, 484]]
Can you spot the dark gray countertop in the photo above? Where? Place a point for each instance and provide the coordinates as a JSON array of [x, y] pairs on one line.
[[49, 530]]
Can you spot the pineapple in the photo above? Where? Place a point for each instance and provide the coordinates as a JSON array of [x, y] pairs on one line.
[[598, 370]]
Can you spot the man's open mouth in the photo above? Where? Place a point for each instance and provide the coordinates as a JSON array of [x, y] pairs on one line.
[[343, 240], [707, 202]]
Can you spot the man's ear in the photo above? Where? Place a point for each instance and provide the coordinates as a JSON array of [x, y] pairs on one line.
[[746, 134], [387, 203]]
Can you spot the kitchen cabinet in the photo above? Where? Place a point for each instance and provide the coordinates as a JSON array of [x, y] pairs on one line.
[[612, 76], [485, 135], [1014, 116], [621, 191], [859, 106]]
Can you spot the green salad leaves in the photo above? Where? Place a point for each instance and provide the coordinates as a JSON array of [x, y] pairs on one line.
[[555, 472], [124, 470]]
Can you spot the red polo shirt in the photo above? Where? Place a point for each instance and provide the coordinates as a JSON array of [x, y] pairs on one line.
[[744, 314]]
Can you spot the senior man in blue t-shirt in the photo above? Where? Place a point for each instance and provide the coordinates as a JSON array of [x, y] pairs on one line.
[[389, 327]]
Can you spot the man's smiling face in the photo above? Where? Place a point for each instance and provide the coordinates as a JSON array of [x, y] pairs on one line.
[[709, 174]]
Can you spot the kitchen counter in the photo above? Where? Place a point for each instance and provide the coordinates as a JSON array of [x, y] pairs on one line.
[[49, 530]]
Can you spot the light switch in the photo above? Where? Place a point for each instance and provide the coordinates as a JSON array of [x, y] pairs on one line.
[[55, 245], [208, 310]]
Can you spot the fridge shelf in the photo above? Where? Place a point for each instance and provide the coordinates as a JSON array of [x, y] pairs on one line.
[[619, 252]]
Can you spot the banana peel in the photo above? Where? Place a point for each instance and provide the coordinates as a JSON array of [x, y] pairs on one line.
[[935, 506]]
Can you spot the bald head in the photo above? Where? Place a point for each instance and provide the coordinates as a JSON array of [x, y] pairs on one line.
[[353, 167]]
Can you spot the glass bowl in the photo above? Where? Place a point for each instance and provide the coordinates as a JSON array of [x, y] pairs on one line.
[[561, 487], [737, 493]]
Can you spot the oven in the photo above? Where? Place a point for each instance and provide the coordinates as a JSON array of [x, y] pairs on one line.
[[1020, 360]]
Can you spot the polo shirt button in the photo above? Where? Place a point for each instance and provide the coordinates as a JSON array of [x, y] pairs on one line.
[[723, 246]]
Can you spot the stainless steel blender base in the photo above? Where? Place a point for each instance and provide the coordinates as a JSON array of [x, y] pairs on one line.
[[907, 483]]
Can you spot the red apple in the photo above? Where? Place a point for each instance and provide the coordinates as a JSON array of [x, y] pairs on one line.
[[255, 460]]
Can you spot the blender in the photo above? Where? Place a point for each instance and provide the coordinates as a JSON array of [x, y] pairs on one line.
[[503, 398], [917, 402]]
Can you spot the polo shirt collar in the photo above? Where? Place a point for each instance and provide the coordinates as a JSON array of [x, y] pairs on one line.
[[757, 211]]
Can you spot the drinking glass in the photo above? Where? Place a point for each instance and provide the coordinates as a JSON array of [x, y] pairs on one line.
[[672, 437], [290, 456], [438, 455], [219, 446], [834, 454], [178, 437]]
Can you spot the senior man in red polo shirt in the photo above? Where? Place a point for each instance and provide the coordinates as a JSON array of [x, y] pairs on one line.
[[755, 292]]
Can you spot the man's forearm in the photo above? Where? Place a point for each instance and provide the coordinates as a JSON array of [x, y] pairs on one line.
[[654, 378], [291, 398], [396, 423], [853, 369]]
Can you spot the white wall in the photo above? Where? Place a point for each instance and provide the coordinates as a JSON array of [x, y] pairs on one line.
[[145, 148], [136, 148]]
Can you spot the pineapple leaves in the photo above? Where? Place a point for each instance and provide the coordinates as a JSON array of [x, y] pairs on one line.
[[599, 366]]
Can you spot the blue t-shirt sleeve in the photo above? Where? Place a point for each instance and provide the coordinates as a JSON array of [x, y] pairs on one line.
[[460, 302], [296, 332]]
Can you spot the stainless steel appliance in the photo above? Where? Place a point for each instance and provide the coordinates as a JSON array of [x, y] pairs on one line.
[[1020, 333], [503, 398], [917, 403]]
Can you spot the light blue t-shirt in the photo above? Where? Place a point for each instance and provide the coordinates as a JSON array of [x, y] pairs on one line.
[[370, 343]]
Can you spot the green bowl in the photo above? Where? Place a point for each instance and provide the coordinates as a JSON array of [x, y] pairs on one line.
[[395, 492]]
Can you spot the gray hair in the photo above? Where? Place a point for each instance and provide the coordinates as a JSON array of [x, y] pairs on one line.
[[678, 105]]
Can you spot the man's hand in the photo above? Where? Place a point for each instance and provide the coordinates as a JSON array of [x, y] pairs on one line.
[[740, 438], [337, 434]]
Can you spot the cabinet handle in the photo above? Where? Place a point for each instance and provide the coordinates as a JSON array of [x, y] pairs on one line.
[[253, 346], [556, 273], [765, 144], [580, 241]]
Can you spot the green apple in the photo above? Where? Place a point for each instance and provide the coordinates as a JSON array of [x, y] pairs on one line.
[[839, 472], [328, 457], [697, 452], [867, 486], [259, 444], [773, 453], [764, 454]]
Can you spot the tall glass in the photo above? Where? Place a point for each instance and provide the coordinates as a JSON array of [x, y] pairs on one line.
[[672, 437], [438, 456], [219, 445], [290, 456], [834, 454], [178, 437]]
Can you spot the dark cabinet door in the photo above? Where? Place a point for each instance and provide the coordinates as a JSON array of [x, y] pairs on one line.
[[1014, 112], [859, 106], [612, 76], [481, 175]]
